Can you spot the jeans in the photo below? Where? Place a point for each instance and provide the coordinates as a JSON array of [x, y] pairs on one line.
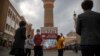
[[38, 51], [60, 52], [28, 52], [20, 52]]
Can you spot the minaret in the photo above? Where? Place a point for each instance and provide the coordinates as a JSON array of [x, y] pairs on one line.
[[77, 36], [49, 31], [75, 18], [48, 13]]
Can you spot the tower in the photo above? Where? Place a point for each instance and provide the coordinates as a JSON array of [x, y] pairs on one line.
[[49, 32], [75, 19], [77, 36], [48, 13]]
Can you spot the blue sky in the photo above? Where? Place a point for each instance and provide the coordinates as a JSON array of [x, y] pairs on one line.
[[33, 12]]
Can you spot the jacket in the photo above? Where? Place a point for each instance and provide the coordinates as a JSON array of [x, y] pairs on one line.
[[88, 27], [20, 36]]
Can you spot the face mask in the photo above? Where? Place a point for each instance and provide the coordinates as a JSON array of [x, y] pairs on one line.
[[38, 32]]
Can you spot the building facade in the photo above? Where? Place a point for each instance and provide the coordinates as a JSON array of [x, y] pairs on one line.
[[30, 31], [3, 13], [9, 20], [12, 22]]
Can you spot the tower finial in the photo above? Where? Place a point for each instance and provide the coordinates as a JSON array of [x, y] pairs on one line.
[[74, 13]]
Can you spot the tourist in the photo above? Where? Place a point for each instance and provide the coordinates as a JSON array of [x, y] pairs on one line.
[[88, 27], [28, 45], [38, 48], [20, 36], [60, 45]]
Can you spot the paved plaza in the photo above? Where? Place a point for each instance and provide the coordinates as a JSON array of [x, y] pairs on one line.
[[5, 52]]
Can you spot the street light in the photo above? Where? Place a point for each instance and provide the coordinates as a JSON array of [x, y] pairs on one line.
[[75, 19]]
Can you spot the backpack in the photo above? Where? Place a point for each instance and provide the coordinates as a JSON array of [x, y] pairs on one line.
[[38, 40]]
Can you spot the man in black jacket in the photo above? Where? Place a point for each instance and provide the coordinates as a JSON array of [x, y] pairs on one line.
[[20, 36], [88, 27]]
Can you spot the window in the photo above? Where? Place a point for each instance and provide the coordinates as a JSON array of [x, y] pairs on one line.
[[6, 27], [13, 17], [9, 27], [11, 14], [8, 13], [17, 21]]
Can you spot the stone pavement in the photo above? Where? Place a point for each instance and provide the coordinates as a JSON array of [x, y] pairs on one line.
[[5, 52]]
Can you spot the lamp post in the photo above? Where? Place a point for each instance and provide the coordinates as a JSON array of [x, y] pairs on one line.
[[75, 19], [76, 42]]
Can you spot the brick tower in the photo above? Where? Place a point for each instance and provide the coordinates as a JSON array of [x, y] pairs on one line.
[[49, 32], [48, 13]]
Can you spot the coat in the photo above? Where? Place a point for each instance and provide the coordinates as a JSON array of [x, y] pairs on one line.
[[20, 36], [88, 27]]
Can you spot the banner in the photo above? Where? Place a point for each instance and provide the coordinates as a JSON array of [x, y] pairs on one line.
[[49, 32]]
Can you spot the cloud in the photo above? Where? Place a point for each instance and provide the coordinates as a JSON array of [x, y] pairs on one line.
[[33, 11], [64, 15], [96, 5], [27, 9]]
